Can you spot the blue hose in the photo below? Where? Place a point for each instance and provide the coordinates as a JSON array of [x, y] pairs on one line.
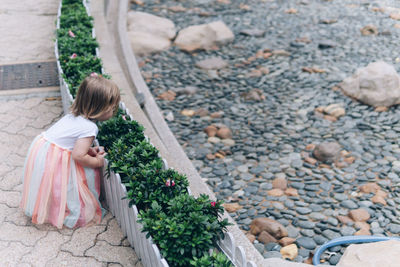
[[349, 240]]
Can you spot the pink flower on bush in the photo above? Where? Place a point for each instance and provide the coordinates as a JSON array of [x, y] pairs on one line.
[[93, 74], [169, 183], [71, 34], [74, 55], [213, 204], [123, 117]]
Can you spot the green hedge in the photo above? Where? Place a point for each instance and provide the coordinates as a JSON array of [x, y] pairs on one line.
[[185, 228]]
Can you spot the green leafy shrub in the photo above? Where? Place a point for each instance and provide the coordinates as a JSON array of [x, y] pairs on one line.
[[74, 16], [77, 69], [187, 228], [118, 127], [151, 184], [81, 45], [76, 45], [213, 260], [126, 159]]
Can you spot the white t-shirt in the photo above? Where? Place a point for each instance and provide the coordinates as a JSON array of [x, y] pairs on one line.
[[68, 129]]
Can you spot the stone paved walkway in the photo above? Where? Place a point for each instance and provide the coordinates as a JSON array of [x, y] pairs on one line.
[[27, 32], [25, 244]]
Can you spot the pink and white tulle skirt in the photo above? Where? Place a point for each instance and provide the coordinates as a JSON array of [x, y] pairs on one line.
[[58, 190]]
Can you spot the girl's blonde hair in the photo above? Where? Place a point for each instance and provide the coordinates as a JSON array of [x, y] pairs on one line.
[[95, 96]]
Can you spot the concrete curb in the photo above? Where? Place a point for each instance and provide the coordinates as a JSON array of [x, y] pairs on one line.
[[118, 12], [30, 92]]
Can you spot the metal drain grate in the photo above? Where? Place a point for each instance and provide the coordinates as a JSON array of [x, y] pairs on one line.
[[29, 75]]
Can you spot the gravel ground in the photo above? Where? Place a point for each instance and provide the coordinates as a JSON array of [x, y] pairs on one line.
[[271, 134]]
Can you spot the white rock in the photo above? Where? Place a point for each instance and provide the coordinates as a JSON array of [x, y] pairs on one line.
[[148, 33], [396, 163], [385, 253], [223, 33], [238, 193], [228, 142], [213, 140], [335, 110], [168, 115], [148, 23], [204, 36], [143, 43], [377, 85]]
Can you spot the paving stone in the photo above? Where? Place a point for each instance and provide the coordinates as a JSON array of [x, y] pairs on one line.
[[31, 132], [113, 235], [82, 239], [66, 231], [4, 168], [13, 254], [10, 198], [6, 152], [17, 125], [67, 259], [5, 211], [31, 103], [8, 106], [104, 252], [16, 160], [107, 218], [42, 122], [17, 217], [4, 244], [25, 234], [10, 180], [44, 249]]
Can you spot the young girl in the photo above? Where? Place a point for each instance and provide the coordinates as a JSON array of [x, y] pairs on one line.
[[61, 182]]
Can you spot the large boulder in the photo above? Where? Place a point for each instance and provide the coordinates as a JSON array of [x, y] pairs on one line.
[[385, 253], [377, 85], [143, 43], [274, 228], [204, 36], [144, 22], [149, 33]]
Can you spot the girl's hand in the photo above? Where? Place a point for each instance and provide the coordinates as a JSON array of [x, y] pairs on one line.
[[100, 150], [87, 156], [93, 151], [100, 159]]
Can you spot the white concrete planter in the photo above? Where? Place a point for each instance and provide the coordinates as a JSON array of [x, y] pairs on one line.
[[115, 193], [66, 96]]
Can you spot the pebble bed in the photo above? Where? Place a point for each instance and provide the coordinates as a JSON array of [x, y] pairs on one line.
[[270, 135]]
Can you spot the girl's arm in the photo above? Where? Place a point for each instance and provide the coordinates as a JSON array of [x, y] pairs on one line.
[[81, 150]]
